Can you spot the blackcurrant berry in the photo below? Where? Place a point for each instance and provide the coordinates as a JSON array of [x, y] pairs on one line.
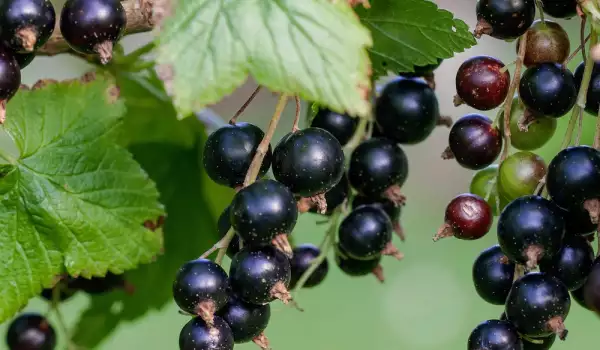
[[407, 110], [200, 288], [93, 26], [531, 228], [309, 162], [223, 225], [578, 222], [100, 285], [229, 151], [304, 255], [494, 335], [538, 305], [547, 42], [358, 268], [548, 90], [389, 207], [482, 83], [592, 101], [10, 74], [579, 297], [544, 343], [341, 126], [334, 198], [573, 180], [474, 142], [260, 275], [484, 184], [572, 264], [197, 335], [365, 232], [467, 217], [62, 291], [493, 275], [24, 59], [26, 24], [591, 288], [264, 212], [560, 8], [527, 132], [378, 168], [247, 321], [503, 19], [30, 332], [520, 174]]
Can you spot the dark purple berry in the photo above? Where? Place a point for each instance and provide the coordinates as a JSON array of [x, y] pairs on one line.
[[482, 82], [247, 321], [358, 268], [467, 217], [572, 264], [494, 335], [560, 8], [26, 25], [197, 335], [503, 19], [304, 255], [548, 90], [30, 332], [474, 142], [10, 74], [24, 59], [341, 126], [579, 297], [591, 289], [365, 232], [592, 101], [493, 275]]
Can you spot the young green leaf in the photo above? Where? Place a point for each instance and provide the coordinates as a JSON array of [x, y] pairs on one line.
[[412, 33], [312, 48], [73, 199]]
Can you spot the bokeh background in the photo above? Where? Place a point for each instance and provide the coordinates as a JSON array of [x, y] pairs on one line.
[[427, 302]]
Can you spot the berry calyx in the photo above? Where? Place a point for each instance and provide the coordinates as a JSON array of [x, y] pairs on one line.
[[263, 212], [93, 26], [26, 24], [260, 275], [309, 162], [341, 126], [304, 255], [538, 305], [407, 110], [547, 42], [200, 288], [482, 83], [365, 232], [247, 321], [572, 264], [389, 207], [196, 334], [548, 90], [358, 268], [31, 331], [494, 335], [334, 198], [520, 174], [560, 8], [493, 275], [573, 180], [503, 19], [229, 151], [484, 185], [592, 101], [527, 132], [378, 168], [531, 228], [467, 217], [474, 142]]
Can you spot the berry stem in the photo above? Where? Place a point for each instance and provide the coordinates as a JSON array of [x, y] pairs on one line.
[[358, 136], [597, 133], [297, 115], [579, 48], [540, 8], [60, 319], [239, 112]]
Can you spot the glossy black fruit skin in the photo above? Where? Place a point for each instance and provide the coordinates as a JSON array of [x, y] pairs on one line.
[[245, 320], [24, 59], [223, 225], [15, 15], [88, 23], [592, 101], [492, 276], [10, 74], [574, 177], [263, 210], [365, 232], [407, 110], [354, 267], [494, 335], [335, 196], [548, 90], [376, 165], [304, 255], [30, 332], [384, 204], [508, 19], [579, 297], [200, 281], [98, 285], [591, 288], [546, 344], [196, 335], [474, 141], [229, 151], [530, 221], [309, 161], [572, 264], [255, 271], [534, 300], [560, 8], [341, 126]]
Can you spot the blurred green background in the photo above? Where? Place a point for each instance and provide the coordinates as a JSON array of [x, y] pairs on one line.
[[427, 302]]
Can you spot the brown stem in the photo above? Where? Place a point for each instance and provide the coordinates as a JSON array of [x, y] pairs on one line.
[[282, 244], [446, 230], [430, 80], [447, 154], [378, 273], [557, 325], [579, 48], [445, 120], [239, 112], [533, 254], [297, 115], [540, 186], [593, 208], [139, 20]]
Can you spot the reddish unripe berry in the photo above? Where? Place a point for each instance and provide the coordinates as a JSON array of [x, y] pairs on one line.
[[468, 217], [482, 83]]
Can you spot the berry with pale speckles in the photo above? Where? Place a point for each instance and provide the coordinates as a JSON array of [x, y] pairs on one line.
[[26, 25], [548, 90], [247, 321], [304, 255], [504, 19], [365, 232], [197, 335], [341, 126], [474, 142], [493, 275], [494, 335], [467, 217], [482, 82], [572, 264]]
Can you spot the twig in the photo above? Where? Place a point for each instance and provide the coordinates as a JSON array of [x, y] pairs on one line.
[[579, 48], [239, 112], [511, 92], [582, 37], [297, 116]]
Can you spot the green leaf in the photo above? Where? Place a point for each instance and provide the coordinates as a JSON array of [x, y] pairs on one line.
[[190, 226], [73, 199], [312, 48], [412, 33]]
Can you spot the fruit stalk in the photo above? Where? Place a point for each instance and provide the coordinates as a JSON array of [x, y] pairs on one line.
[[540, 7], [241, 110], [297, 116], [139, 19]]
